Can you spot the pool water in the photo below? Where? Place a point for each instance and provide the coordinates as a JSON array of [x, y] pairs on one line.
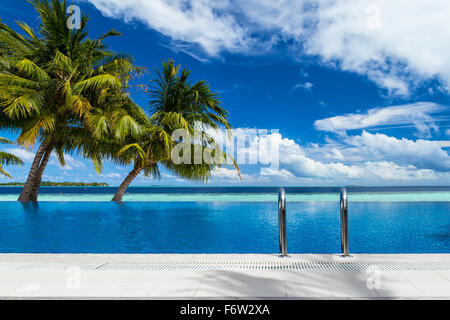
[[234, 194], [221, 227]]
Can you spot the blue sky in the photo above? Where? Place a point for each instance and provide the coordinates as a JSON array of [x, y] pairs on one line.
[[359, 90]]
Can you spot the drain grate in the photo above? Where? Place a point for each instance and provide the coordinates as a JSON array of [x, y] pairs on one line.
[[288, 266], [230, 263]]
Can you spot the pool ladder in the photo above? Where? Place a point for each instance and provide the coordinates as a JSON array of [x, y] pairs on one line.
[[344, 223], [282, 222]]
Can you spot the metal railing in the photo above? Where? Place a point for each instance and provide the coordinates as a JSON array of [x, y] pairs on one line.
[[282, 222], [344, 223]]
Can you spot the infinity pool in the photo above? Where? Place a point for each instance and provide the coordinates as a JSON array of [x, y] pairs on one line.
[[221, 227]]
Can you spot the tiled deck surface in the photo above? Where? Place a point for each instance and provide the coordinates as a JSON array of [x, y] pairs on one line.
[[224, 276]]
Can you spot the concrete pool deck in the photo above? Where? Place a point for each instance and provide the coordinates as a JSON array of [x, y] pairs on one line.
[[239, 276]]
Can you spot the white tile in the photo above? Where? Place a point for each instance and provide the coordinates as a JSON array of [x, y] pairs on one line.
[[345, 284], [256, 283], [395, 284], [351, 290], [399, 289], [174, 289], [308, 291], [221, 289], [433, 289], [242, 284], [428, 276], [444, 273], [307, 284], [414, 283]]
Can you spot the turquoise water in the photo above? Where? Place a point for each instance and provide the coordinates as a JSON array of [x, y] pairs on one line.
[[221, 227], [224, 220], [434, 196], [234, 194]]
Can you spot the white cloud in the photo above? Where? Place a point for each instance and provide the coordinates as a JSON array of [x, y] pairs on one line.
[[397, 44], [296, 167], [365, 158], [421, 153], [71, 162], [282, 174], [366, 171], [25, 155], [205, 23], [389, 171], [169, 177], [227, 174], [305, 86], [408, 44], [417, 114], [111, 175]]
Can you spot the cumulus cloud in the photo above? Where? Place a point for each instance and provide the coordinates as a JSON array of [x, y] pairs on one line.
[[365, 158], [365, 171], [390, 171], [397, 44], [71, 162], [417, 115], [423, 154], [355, 159], [305, 86], [111, 175], [388, 166], [205, 23], [227, 174], [25, 155]]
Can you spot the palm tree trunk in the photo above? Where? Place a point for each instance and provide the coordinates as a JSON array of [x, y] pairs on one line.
[[123, 187], [28, 187], [40, 173]]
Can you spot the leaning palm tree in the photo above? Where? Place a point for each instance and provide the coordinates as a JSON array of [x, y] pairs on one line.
[[7, 159], [176, 104], [54, 80]]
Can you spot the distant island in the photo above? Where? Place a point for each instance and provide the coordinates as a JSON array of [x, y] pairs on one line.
[[61, 184]]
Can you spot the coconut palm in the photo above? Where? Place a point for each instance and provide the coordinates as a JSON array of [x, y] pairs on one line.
[[7, 159], [119, 122], [54, 82], [175, 104]]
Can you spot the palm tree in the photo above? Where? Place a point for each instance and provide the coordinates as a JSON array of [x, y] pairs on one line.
[[119, 122], [7, 159], [54, 82], [176, 104]]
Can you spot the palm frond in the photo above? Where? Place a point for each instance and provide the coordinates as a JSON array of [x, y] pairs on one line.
[[31, 70], [127, 126], [3, 172], [9, 159], [99, 82], [141, 153]]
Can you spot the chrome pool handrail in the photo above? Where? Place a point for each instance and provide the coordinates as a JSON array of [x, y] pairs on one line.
[[344, 223], [282, 222]]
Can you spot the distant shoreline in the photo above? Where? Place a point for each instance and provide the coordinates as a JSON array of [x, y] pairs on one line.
[[58, 184]]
